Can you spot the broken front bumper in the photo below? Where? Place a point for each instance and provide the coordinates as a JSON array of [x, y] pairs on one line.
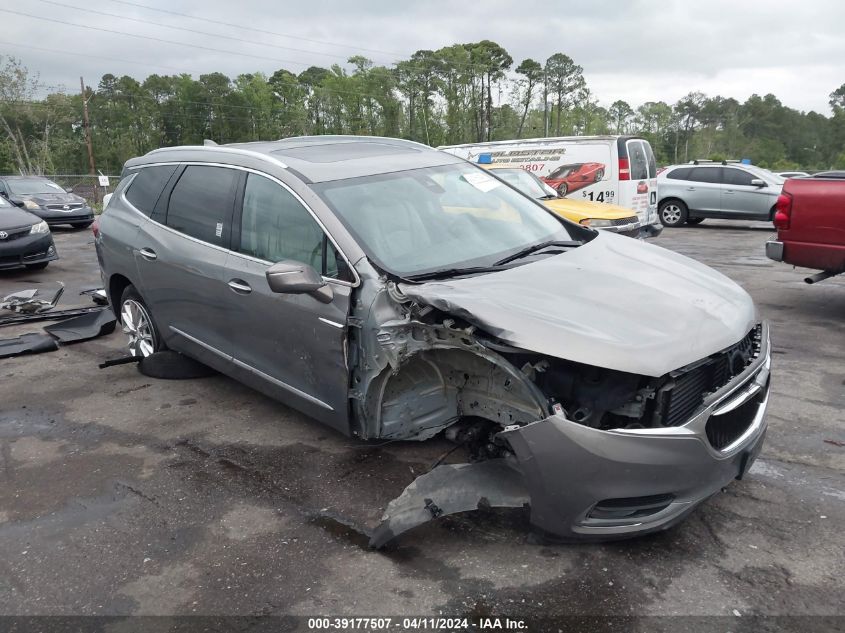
[[589, 483], [583, 483]]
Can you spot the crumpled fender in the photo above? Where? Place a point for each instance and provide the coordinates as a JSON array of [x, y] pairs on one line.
[[449, 489]]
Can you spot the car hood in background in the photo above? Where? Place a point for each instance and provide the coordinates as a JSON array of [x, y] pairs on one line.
[[15, 218], [614, 302], [53, 198], [583, 209]]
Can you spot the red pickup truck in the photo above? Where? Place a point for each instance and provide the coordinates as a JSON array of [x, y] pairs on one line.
[[810, 219]]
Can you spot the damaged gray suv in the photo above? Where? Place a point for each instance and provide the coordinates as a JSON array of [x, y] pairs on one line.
[[395, 292]]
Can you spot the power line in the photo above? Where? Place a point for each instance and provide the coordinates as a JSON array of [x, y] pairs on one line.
[[103, 57], [405, 57], [154, 39], [251, 28], [181, 28]]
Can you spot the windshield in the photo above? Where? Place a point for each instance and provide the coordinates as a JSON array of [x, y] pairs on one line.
[[29, 186], [527, 183], [438, 218], [765, 174]]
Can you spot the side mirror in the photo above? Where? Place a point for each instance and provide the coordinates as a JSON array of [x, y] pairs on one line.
[[758, 183], [296, 278]]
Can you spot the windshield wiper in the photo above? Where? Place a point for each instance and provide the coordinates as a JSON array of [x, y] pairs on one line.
[[538, 247], [453, 272]]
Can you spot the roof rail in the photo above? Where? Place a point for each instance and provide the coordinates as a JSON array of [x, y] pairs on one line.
[[222, 148], [707, 161]]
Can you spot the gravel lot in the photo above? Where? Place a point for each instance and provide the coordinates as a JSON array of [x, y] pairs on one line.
[[121, 494]]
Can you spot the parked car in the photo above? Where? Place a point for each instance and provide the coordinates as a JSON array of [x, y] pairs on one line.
[[791, 174], [395, 292], [810, 220], [606, 217], [47, 200], [690, 193], [618, 170], [25, 239]]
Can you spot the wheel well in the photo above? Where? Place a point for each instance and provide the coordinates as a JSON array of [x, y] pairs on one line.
[[772, 212], [117, 284], [661, 202]]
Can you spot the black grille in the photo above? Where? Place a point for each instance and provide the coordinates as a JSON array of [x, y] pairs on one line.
[[685, 392], [723, 430], [17, 234], [62, 207], [624, 221]]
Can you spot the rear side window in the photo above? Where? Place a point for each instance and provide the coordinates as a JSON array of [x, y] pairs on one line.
[[706, 174], [679, 174], [202, 202], [146, 187], [275, 226], [737, 177], [637, 160], [652, 163]]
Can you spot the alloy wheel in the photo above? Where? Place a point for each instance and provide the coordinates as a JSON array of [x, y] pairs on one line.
[[671, 214], [138, 326]]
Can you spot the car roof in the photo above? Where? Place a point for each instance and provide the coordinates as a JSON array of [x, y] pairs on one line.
[[314, 158]]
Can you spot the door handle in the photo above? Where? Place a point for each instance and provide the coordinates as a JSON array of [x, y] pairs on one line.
[[240, 286], [148, 254]]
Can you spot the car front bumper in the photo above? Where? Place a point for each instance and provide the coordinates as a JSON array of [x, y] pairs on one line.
[[632, 229], [30, 249], [590, 484], [82, 215], [650, 230]]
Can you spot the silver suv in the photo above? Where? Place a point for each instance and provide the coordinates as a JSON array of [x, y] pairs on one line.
[[732, 191], [395, 292]]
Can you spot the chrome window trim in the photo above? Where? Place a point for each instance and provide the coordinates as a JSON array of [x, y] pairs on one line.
[[298, 198]]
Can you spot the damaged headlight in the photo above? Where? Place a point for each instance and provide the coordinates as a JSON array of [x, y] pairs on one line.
[[41, 227]]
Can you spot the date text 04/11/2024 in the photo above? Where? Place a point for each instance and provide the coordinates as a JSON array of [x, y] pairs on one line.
[[416, 623]]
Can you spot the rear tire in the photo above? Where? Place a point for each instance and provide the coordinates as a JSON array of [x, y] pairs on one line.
[[599, 175], [562, 189], [137, 322], [695, 220], [673, 213], [38, 266]]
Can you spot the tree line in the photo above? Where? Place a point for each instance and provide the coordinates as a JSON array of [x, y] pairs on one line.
[[457, 94]]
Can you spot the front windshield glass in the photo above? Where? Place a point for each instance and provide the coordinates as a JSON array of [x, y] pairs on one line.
[[30, 186], [765, 174], [438, 218], [527, 183]]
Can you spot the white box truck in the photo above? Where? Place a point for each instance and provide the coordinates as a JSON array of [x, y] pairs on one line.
[[614, 169]]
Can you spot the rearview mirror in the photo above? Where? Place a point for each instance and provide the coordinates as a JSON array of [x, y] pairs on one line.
[[758, 183], [297, 278]]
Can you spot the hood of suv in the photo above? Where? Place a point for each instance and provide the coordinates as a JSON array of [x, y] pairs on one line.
[[614, 302]]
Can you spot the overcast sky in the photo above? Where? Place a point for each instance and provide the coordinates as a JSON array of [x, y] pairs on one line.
[[636, 50]]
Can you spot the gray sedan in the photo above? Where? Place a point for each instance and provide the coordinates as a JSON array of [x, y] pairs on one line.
[[395, 292]]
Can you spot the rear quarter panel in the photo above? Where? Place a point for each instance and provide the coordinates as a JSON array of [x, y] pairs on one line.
[[816, 234]]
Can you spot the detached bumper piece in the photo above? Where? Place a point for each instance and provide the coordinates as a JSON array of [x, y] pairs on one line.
[[27, 344], [450, 489]]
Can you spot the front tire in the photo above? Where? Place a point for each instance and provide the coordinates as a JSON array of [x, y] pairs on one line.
[[562, 189], [599, 175], [673, 213], [138, 324]]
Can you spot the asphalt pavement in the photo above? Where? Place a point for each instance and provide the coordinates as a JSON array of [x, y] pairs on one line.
[[122, 494]]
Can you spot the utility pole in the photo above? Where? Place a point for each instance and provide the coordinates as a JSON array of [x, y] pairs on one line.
[[88, 139], [545, 102]]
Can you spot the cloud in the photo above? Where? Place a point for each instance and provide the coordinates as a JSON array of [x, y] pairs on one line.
[[636, 50]]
